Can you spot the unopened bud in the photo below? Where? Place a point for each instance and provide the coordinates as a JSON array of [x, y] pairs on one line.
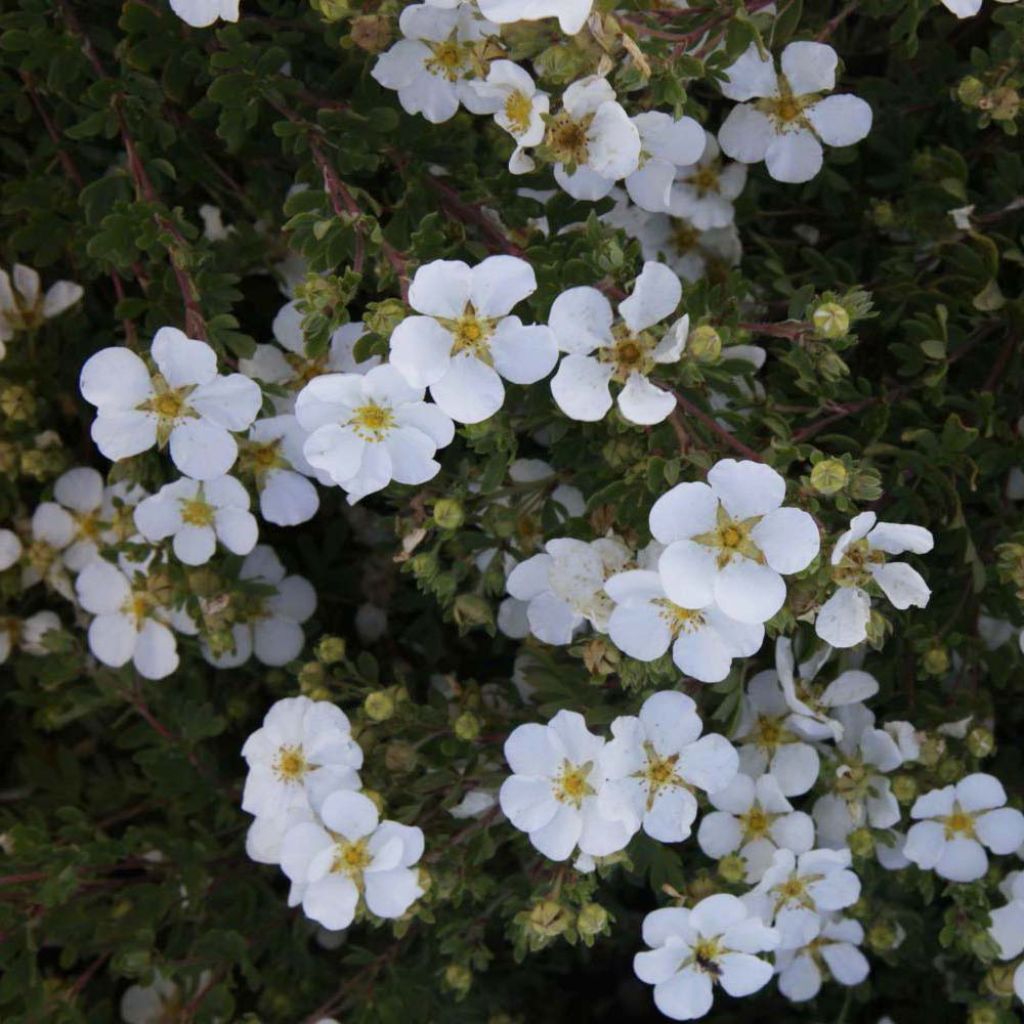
[[951, 769], [904, 788], [831, 321], [379, 706], [458, 978], [981, 742], [330, 649], [311, 677], [704, 344], [467, 726], [861, 842], [400, 756], [732, 868], [472, 610], [970, 91], [936, 661], [371, 32], [17, 403], [829, 476], [983, 1014], [882, 936], [592, 919], [449, 513]]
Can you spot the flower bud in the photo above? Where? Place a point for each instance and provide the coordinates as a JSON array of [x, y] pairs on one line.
[[829, 476], [981, 742], [951, 769], [831, 321], [458, 978], [970, 91], [371, 32], [732, 868], [472, 610], [311, 677], [449, 513], [701, 885], [704, 344], [983, 1013], [904, 788], [932, 749], [383, 317], [547, 919], [861, 842], [592, 920], [17, 403], [467, 726], [999, 980], [882, 936], [379, 706], [936, 661], [400, 756], [330, 649]]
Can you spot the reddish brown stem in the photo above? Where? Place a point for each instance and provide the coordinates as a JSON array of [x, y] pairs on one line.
[[709, 421]]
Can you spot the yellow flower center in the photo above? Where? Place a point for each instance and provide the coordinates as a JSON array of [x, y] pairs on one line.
[[350, 858], [448, 59], [770, 733], [959, 823], [518, 111], [684, 236], [303, 369], [629, 353], [854, 568], [40, 556], [680, 620], [705, 956], [756, 823], [787, 110], [572, 785], [195, 512], [731, 539], [169, 405], [658, 773], [566, 138], [259, 458], [291, 764], [372, 422], [704, 180]]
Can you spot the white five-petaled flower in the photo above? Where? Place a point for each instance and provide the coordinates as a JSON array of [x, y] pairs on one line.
[[955, 824], [834, 951], [571, 14], [23, 306], [186, 404], [28, 635], [287, 364], [705, 189], [464, 342], [591, 140], [553, 793], [303, 752], [352, 856], [367, 430], [268, 625], [131, 617], [665, 144], [859, 793], [1007, 928], [80, 492], [858, 561], [730, 542], [563, 587], [645, 623], [797, 889], [201, 13], [656, 760], [601, 349], [272, 456], [197, 514], [753, 819], [518, 106], [789, 117], [10, 549], [433, 65], [693, 950], [769, 742]]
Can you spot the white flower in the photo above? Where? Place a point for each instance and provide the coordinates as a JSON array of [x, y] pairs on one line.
[[553, 793], [80, 491], [646, 622], [353, 856], [729, 541], [303, 752], [431, 67], [812, 704], [1007, 927], [474, 803], [861, 794], [23, 307], [367, 430], [186, 404], [291, 368], [10, 549], [704, 190], [564, 586], [29, 635], [753, 818], [789, 119], [665, 144], [833, 951], [592, 140], [159, 1002], [571, 14], [131, 618], [271, 625], [602, 349], [769, 743], [858, 561], [201, 13], [197, 515], [465, 342], [692, 950], [655, 761], [956, 823], [797, 889], [272, 456], [967, 9], [681, 245], [518, 106], [52, 530]]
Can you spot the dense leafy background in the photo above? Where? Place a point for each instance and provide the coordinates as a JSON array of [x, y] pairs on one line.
[[119, 798]]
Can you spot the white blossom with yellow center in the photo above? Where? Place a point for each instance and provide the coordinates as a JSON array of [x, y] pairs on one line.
[[518, 106], [833, 953], [464, 342], [272, 457], [367, 430], [789, 117], [704, 190], [730, 541], [657, 760], [24, 307], [555, 791], [955, 825], [351, 857]]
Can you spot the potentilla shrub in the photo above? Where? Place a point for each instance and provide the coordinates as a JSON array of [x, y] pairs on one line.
[[510, 511]]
